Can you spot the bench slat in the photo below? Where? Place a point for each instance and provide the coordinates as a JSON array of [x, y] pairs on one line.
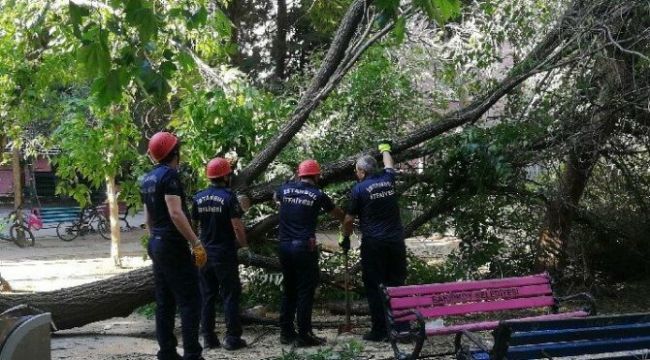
[[603, 332], [577, 348], [491, 325], [592, 321], [470, 296], [462, 309], [431, 289]]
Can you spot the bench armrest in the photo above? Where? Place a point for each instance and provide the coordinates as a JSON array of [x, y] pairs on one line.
[[582, 297]]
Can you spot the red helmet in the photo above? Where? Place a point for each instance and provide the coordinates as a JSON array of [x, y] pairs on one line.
[[217, 168], [161, 144], [308, 168]]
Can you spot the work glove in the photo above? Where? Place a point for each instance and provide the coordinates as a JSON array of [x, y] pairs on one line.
[[344, 242], [200, 256], [385, 145]]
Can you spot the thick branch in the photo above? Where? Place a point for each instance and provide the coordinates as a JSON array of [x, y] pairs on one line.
[[309, 99]]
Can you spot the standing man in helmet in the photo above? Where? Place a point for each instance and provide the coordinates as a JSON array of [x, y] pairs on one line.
[[383, 252], [301, 202], [171, 237], [218, 213]]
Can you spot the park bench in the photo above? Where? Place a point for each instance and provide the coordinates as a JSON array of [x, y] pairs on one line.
[[24, 334], [52, 216], [419, 303], [604, 337]]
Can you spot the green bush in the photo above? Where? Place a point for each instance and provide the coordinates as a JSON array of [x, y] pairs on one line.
[[348, 351]]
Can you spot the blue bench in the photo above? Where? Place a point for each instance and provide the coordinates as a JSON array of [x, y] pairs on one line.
[[605, 337], [52, 216]]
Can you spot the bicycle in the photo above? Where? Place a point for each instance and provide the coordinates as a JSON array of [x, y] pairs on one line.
[[15, 228], [90, 221]]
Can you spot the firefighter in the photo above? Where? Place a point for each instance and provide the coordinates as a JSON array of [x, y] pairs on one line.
[[174, 264], [383, 252], [301, 202], [217, 213]]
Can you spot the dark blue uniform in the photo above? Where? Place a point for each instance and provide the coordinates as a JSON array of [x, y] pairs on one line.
[[174, 271], [213, 209], [300, 205], [383, 253]]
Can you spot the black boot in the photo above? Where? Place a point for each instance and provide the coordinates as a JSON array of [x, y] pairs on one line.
[[211, 341], [234, 343], [288, 337], [375, 336], [309, 339]]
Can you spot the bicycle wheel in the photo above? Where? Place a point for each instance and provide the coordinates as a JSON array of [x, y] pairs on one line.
[[67, 231], [29, 237], [103, 227]]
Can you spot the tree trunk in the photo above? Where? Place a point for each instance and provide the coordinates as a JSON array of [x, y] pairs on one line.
[[117, 296], [17, 169], [114, 219], [279, 50], [613, 78], [84, 304]]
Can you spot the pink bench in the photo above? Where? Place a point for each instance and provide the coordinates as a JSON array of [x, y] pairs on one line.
[[417, 303]]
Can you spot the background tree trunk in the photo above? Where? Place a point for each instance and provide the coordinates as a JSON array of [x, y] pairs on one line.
[[614, 79], [114, 219], [17, 169], [280, 44]]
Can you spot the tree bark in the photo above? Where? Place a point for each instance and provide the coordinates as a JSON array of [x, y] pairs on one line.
[[18, 169], [614, 77], [117, 296], [279, 50], [114, 219]]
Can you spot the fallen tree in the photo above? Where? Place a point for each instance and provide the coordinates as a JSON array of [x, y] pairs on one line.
[[120, 295]]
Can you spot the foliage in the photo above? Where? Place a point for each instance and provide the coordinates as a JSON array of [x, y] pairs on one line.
[[94, 143], [261, 287], [148, 311], [236, 123], [351, 350]]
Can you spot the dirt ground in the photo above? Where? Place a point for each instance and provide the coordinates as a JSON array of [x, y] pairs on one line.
[[52, 264]]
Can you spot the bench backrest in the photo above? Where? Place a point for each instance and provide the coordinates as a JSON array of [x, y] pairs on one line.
[[573, 337], [59, 214], [467, 297]]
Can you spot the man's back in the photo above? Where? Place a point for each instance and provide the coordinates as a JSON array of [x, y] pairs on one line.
[[162, 180], [214, 208], [300, 205], [375, 201]]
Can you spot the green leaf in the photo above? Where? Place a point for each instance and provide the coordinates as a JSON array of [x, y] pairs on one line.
[[167, 68], [154, 83], [198, 19], [440, 10], [108, 89], [76, 15], [389, 7], [143, 18], [400, 29], [222, 23], [95, 58]]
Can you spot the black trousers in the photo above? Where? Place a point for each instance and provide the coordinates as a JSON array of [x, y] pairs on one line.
[[176, 281], [382, 263], [300, 278], [221, 279]]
